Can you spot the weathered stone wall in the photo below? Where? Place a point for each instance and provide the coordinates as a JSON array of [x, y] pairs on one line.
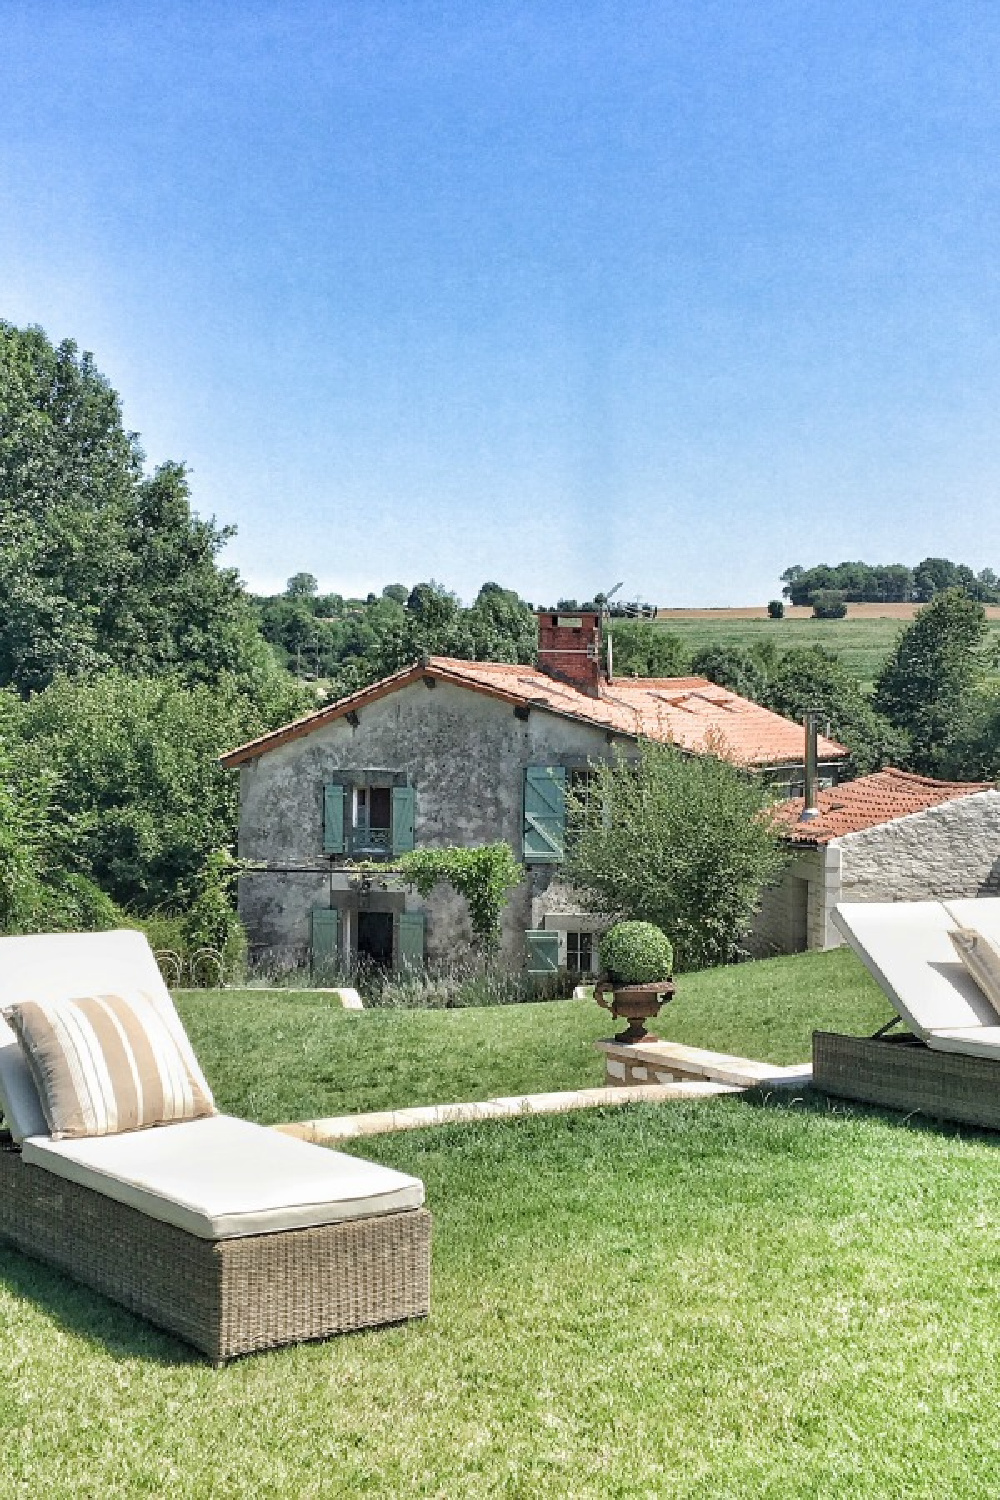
[[465, 755], [946, 852], [795, 914], [949, 851]]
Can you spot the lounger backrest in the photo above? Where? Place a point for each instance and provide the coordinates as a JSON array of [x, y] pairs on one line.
[[62, 965], [67, 965], [980, 912], [905, 946]]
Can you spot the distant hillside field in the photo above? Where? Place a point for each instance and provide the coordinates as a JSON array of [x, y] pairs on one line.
[[862, 640], [804, 612]]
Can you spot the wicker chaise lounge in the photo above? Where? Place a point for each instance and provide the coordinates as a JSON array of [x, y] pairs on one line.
[[234, 1237], [948, 1062]]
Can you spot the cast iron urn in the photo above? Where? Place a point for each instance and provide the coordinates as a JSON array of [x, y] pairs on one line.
[[634, 1003]]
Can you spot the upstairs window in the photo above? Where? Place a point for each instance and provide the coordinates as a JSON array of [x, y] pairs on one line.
[[372, 826], [368, 815]]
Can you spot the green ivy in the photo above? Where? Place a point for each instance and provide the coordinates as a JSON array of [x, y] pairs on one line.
[[482, 875]]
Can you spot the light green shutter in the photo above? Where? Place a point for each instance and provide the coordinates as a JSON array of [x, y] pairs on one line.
[[411, 939], [333, 819], [544, 814], [543, 952], [403, 812], [325, 937]]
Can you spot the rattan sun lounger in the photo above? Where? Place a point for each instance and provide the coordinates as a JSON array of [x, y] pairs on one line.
[[234, 1237], [947, 1064]]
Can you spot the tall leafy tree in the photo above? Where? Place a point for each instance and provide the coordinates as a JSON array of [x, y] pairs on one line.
[[974, 751], [927, 684], [102, 565], [138, 800], [639, 650], [683, 842], [811, 678]]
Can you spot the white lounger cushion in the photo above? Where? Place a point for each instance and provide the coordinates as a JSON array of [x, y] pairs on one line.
[[975, 1041], [66, 966], [906, 947], [219, 1178]]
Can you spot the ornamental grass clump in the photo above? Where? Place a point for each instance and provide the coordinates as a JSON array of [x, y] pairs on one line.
[[636, 953]]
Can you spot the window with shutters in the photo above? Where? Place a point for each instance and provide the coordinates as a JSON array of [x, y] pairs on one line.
[[368, 815]]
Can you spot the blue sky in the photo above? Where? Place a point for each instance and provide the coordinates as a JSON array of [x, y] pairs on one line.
[[555, 295]]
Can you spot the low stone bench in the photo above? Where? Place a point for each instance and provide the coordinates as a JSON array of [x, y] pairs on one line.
[[627, 1063]]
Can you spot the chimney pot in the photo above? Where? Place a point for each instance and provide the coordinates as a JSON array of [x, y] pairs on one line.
[[569, 648]]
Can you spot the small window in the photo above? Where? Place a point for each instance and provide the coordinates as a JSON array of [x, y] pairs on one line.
[[580, 952], [583, 785], [585, 799]]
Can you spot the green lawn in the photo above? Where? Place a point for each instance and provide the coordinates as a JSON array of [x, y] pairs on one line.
[[862, 645], [743, 1297], [300, 1058]]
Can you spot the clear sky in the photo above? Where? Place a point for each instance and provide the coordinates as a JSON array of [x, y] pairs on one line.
[[557, 295]]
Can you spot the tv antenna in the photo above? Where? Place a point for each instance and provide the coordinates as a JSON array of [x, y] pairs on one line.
[[606, 615]]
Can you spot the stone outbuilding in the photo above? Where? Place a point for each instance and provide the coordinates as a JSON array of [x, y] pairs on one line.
[[450, 752], [891, 836]]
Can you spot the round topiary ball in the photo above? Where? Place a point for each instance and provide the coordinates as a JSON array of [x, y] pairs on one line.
[[636, 953]]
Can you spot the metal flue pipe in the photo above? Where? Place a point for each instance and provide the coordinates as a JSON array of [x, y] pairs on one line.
[[810, 790]]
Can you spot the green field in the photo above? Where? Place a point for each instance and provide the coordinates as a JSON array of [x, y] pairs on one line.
[[862, 645]]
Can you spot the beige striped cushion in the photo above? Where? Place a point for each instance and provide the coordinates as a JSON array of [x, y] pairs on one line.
[[106, 1064]]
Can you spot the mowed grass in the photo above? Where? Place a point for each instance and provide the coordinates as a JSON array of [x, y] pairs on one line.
[[769, 1295], [730, 1299], [292, 1055], [862, 645]]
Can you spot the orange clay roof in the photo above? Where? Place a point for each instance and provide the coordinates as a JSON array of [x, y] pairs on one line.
[[690, 712], [880, 798]]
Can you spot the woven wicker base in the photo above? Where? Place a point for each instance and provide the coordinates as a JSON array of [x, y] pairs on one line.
[[226, 1297], [905, 1074]]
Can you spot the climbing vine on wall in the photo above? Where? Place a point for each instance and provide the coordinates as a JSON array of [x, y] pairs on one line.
[[482, 875]]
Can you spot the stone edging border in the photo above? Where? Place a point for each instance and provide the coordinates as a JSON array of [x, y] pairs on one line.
[[382, 1122]]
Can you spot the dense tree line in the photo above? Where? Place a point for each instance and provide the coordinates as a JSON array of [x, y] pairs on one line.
[[128, 658], [861, 583], [348, 643]]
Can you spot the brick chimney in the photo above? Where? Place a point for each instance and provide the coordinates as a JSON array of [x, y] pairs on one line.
[[569, 648]]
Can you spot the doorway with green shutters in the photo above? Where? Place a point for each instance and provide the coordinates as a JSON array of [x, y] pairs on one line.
[[368, 931]]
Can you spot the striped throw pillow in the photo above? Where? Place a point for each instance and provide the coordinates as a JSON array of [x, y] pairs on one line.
[[106, 1064]]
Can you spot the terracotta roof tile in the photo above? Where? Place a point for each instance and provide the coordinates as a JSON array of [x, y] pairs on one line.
[[882, 797], [690, 712]]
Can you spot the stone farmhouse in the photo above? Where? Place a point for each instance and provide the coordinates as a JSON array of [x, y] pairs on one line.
[[891, 836], [451, 752]]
